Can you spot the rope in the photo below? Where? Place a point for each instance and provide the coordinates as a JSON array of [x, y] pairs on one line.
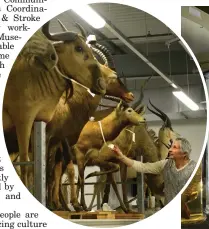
[[100, 125], [74, 81]]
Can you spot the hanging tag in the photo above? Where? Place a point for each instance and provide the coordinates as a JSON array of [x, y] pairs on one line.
[[91, 93], [91, 119], [111, 146], [133, 134], [133, 137]]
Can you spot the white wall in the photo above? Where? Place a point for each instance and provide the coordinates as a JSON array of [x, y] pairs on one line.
[[193, 130]]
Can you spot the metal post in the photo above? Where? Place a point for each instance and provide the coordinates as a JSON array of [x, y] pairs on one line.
[[140, 188], [207, 161], [98, 195], [40, 164]]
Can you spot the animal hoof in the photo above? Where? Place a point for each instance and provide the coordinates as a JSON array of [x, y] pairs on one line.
[[78, 208], [85, 207], [51, 207], [124, 209], [57, 205]]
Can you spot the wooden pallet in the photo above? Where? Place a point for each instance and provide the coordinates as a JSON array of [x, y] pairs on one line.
[[129, 216], [98, 215]]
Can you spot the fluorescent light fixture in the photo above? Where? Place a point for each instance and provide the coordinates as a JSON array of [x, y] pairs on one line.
[[186, 100], [174, 85], [90, 16]]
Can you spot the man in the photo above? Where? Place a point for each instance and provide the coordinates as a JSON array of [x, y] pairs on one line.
[[176, 169]]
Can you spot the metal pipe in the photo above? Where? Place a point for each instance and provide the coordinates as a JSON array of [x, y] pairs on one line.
[[40, 163], [143, 38], [140, 188], [176, 39], [154, 77], [172, 41], [98, 197]]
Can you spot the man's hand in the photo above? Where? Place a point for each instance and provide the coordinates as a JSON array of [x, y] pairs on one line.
[[117, 151], [129, 162]]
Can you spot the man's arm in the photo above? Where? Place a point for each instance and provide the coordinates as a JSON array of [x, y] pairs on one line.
[[154, 168]]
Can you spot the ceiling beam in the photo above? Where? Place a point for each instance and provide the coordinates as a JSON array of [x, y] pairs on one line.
[[144, 38], [130, 45]]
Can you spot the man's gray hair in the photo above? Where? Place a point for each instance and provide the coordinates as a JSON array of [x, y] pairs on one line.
[[185, 145]]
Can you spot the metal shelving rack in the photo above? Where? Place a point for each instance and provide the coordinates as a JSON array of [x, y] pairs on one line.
[[39, 163]]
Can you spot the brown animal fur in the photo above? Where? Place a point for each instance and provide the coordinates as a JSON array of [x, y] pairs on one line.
[[91, 137], [32, 94], [68, 120], [152, 149], [108, 161]]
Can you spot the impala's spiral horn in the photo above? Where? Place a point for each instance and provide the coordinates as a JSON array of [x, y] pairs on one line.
[[116, 99], [161, 114], [101, 55], [141, 97], [107, 53]]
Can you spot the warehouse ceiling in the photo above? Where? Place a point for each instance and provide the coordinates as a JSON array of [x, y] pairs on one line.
[[150, 37]]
